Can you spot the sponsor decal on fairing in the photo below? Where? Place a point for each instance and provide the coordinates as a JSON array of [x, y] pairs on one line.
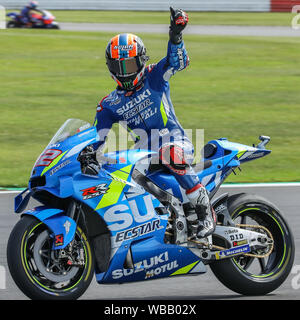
[[95, 191], [152, 267]]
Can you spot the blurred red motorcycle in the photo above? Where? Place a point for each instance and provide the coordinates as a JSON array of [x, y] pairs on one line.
[[42, 19]]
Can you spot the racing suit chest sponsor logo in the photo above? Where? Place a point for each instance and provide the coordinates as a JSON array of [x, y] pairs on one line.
[[134, 102], [139, 108]]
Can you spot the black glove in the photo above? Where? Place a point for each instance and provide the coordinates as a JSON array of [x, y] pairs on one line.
[[178, 21], [92, 169], [88, 161]]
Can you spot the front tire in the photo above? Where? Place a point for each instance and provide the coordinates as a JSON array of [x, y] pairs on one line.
[[257, 276], [39, 271], [11, 24], [55, 27]]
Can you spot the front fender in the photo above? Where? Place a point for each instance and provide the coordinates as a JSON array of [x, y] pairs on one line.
[[63, 227]]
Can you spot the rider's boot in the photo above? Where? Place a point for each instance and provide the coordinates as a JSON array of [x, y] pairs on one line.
[[201, 216]]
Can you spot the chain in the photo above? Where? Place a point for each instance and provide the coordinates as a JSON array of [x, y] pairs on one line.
[[212, 246]]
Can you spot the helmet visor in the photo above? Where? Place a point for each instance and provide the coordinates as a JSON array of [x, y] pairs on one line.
[[124, 67]]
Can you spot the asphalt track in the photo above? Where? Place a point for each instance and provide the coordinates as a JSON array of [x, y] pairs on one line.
[[268, 31], [200, 287]]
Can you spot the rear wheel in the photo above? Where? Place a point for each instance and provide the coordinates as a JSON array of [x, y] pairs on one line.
[[43, 273], [249, 275]]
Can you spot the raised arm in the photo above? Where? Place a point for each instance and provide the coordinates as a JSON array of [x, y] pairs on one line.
[[177, 58]]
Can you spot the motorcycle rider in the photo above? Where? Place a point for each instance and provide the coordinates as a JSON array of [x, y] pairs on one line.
[[142, 100], [25, 15]]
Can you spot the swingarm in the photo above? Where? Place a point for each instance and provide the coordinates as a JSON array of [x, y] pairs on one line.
[[249, 240]]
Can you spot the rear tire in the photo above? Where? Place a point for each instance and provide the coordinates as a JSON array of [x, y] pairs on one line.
[[236, 273], [30, 257]]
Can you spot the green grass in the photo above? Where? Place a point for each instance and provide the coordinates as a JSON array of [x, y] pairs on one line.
[[159, 17], [202, 18], [235, 87]]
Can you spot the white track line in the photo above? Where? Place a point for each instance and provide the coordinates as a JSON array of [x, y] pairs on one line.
[[225, 186], [262, 185], [10, 191]]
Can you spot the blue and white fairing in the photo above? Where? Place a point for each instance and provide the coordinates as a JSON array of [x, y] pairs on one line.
[[130, 213], [54, 172], [224, 156]]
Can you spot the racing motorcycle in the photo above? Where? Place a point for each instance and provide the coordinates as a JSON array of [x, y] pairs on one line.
[[42, 20], [126, 222]]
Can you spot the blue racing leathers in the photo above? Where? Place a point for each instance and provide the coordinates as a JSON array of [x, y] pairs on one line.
[[148, 113], [25, 15]]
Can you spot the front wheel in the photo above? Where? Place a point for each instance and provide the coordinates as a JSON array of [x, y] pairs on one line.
[[11, 24], [43, 273], [249, 275], [54, 26]]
